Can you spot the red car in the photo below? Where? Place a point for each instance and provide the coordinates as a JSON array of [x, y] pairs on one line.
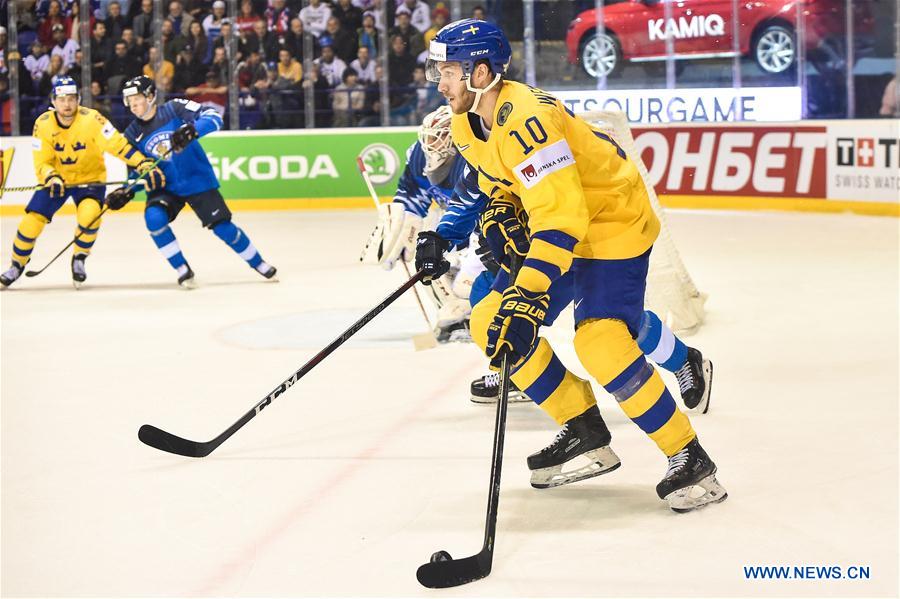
[[638, 31]]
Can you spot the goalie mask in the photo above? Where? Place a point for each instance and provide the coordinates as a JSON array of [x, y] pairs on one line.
[[434, 136]]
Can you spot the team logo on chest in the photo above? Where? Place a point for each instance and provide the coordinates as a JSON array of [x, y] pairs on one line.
[[503, 113], [159, 144]]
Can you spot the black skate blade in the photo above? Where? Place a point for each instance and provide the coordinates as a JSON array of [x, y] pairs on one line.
[[160, 439], [453, 573]]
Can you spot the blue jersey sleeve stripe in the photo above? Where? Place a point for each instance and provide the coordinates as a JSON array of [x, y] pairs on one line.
[[551, 271], [557, 238]]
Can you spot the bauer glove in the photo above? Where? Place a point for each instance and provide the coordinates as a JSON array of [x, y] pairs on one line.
[[56, 185], [515, 326], [149, 171], [117, 199], [430, 248], [183, 137], [504, 230]]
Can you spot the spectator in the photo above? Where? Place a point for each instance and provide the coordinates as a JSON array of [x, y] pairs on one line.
[[163, 75], [172, 42], [278, 17], [252, 75], [197, 41], [890, 107], [315, 17], [419, 13], [75, 70], [247, 18], [102, 10], [348, 99], [63, 46], [400, 72], [37, 62], [293, 41], [189, 72], [375, 9], [364, 66], [198, 8], [260, 40], [115, 20], [131, 43], [121, 67], [54, 68], [350, 16], [75, 23], [4, 70], [439, 17], [343, 42], [219, 64], [288, 66], [224, 40], [367, 35], [412, 37], [212, 93], [212, 24], [143, 24], [330, 67], [102, 102], [478, 13], [181, 20], [54, 17]]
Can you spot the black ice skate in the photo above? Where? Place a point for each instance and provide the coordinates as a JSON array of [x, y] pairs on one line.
[[79, 274], [690, 482], [267, 270], [10, 276], [695, 381], [583, 438], [486, 390], [187, 281]]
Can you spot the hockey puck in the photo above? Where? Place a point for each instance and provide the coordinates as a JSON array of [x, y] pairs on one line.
[[440, 556]]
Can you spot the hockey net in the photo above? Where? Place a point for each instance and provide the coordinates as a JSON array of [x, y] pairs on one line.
[[671, 292]]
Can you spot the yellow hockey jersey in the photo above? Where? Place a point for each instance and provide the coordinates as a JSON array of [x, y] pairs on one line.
[[583, 196], [76, 152]]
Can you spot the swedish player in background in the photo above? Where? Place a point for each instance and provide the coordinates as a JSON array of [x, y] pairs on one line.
[[67, 145], [592, 227], [171, 131]]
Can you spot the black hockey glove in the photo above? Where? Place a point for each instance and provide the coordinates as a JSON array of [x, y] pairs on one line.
[[430, 248], [117, 199], [504, 230], [183, 136], [56, 185], [151, 174], [515, 326]]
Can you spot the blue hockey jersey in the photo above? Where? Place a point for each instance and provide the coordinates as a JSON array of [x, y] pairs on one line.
[[188, 172]]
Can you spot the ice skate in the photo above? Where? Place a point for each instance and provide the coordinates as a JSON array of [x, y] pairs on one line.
[[695, 381], [690, 482], [267, 270], [186, 279], [79, 274], [583, 439], [486, 390], [10, 276]]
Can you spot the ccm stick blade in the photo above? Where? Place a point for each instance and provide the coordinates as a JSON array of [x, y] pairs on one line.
[[160, 439], [455, 572]]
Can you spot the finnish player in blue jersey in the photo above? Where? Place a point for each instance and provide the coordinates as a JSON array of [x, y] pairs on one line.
[[171, 131]]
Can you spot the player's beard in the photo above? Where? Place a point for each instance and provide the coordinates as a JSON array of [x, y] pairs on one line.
[[466, 101]]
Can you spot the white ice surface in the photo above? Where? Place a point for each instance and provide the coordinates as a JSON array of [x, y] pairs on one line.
[[376, 459]]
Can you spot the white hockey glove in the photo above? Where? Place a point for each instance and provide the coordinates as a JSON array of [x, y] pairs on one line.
[[394, 237]]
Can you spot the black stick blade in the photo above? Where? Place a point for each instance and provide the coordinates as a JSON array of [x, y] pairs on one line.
[[164, 441], [32, 273], [453, 573]]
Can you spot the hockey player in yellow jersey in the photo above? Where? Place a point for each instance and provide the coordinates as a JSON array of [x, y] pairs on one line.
[[592, 227], [68, 144]]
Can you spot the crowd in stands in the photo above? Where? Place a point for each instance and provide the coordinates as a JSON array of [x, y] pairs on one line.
[[273, 37]]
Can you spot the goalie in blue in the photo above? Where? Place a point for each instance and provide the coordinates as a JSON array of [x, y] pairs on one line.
[[171, 131]]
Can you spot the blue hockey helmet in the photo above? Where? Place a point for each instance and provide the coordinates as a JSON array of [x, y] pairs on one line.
[[63, 85], [468, 42]]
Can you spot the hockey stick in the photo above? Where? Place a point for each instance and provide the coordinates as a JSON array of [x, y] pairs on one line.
[[34, 273], [160, 439], [421, 341], [76, 186], [442, 571]]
